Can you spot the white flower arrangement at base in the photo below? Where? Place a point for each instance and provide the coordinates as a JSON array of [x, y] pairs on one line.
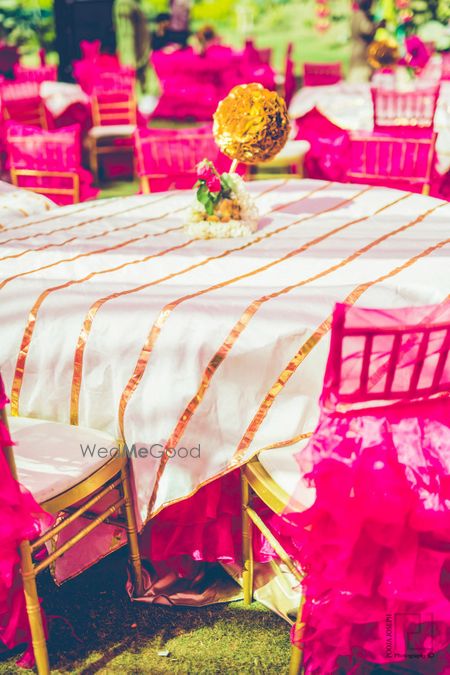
[[223, 206]]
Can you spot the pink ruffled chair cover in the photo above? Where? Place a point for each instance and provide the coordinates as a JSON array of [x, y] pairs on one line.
[[192, 85], [58, 150], [377, 549], [88, 69], [20, 518]]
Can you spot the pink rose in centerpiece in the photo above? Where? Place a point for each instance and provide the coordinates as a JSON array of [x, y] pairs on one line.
[[205, 170], [213, 183], [207, 173]]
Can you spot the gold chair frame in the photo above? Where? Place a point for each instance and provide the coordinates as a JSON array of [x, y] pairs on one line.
[[113, 474], [256, 480], [73, 192], [104, 146]]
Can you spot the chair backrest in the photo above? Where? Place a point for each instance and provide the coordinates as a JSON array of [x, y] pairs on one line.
[[21, 102], [41, 74], [321, 74], [121, 79], [382, 159], [167, 158], [387, 355], [46, 162], [393, 108], [113, 106]]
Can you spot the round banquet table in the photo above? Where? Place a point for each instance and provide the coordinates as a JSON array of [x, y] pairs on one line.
[[113, 318], [349, 105]]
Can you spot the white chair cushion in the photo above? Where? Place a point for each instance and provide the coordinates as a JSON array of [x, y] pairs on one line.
[[122, 130], [49, 458], [281, 465], [292, 152]]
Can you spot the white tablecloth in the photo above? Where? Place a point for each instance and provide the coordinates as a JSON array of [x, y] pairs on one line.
[[16, 204], [112, 318], [350, 106]]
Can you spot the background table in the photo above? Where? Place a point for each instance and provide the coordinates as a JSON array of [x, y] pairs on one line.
[[350, 106], [16, 204], [111, 317]]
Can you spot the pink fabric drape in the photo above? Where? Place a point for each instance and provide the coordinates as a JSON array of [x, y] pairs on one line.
[[20, 518]]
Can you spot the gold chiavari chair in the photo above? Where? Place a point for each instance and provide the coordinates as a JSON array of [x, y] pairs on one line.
[[381, 159], [114, 117], [46, 162], [272, 476], [47, 460], [72, 191]]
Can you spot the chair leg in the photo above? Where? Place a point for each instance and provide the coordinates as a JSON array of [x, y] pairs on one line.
[[247, 548], [296, 662], [133, 543], [93, 160], [34, 610]]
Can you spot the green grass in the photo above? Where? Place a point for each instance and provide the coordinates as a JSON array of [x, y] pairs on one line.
[[116, 635]]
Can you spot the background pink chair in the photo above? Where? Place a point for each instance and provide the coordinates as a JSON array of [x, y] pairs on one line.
[[114, 117], [87, 70], [403, 163], [22, 102], [48, 162], [404, 109], [167, 158], [321, 74], [376, 541], [41, 74]]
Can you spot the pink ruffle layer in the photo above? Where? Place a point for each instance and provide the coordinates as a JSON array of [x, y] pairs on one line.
[[377, 548]]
